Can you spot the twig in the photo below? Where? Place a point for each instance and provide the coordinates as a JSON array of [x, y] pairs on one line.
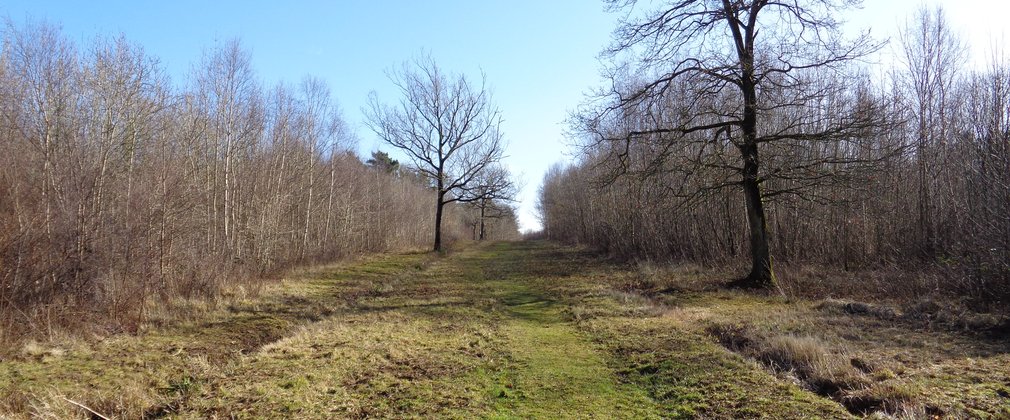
[[93, 412]]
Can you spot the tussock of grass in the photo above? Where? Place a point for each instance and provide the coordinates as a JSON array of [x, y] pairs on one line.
[[809, 358], [35, 351], [823, 369], [899, 399]]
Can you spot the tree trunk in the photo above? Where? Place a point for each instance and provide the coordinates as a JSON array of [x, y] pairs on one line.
[[324, 243], [308, 203], [761, 275], [439, 203], [925, 215], [483, 205], [227, 193]]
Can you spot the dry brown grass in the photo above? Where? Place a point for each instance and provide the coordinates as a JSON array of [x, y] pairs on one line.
[[884, 343], [852, 337], [874, 359], [890, 283], [923, 298], [827, 369], [863, 387], [650, 278], [851, 307], [822, 368]]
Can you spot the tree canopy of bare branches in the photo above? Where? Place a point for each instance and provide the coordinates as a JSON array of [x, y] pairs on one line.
[[448, 126], [491, 196]]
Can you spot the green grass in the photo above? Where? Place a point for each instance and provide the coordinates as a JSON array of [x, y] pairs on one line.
[[506, 330], [555, 370]]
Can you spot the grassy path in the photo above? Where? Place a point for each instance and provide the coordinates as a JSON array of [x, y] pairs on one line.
[[511, 330], [558, 371]]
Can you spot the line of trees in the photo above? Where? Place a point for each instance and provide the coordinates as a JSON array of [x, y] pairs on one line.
[[718, 112], [119, 188]]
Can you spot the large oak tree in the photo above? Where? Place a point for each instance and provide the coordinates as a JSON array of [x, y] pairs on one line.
[[698, 79]]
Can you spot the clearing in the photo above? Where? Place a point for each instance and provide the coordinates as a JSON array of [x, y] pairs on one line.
[[510, 330]]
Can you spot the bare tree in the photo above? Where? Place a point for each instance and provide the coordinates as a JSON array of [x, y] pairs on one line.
[[229, 91], [320, 126], [44, 67], [447, 126], [933, 54], [699, 78], [490, 194]]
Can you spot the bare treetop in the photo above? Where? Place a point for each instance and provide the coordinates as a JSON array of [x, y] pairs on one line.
[[448, 126]]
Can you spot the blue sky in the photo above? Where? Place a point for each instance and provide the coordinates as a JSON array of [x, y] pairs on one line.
[[539, 56]]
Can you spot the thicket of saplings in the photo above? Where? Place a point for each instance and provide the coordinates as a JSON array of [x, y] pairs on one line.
[[121, 191], [923, 212]]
